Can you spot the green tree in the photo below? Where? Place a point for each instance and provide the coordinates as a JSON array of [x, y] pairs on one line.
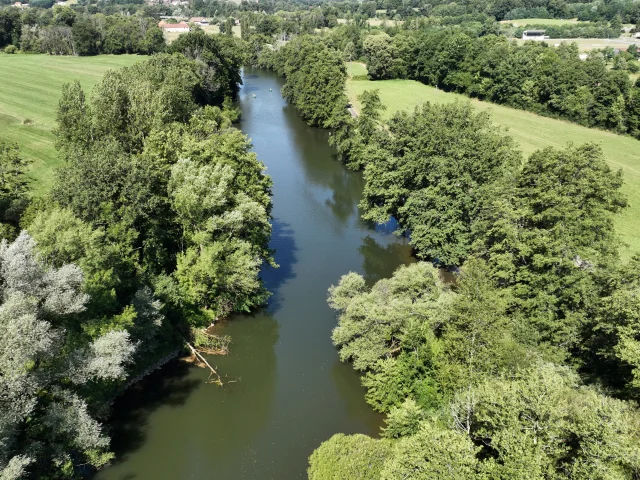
[[316, 78], [381, 57], [219, 60], [353, 456], [85, 37], [435, 181], [551, 234], [14, 185]]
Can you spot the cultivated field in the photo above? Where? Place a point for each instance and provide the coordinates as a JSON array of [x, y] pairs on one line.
[[30, 87], [532, 132]]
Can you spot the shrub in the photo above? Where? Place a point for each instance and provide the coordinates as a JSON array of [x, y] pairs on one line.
[[10, 49]]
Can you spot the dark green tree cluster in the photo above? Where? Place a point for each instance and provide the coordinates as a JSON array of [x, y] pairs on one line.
[[316, 77], [158, 222], [434, 171], [524, 366], [63, 31], [534, 76]]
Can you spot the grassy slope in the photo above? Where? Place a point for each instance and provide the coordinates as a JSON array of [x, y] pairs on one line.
[[30, 87], [532, 132]]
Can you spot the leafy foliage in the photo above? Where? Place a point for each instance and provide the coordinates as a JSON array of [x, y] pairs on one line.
[[45, 358], [435, 181], [316, 77]]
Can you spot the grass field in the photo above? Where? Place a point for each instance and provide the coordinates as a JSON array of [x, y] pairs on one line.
[[356, 68], [210, 29], [520, 22], [531, 132], [30, 87], [587, 44]]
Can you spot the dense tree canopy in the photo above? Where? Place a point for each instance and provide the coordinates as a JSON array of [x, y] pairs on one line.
[[315, 77], [158, 221], [434, 181], [46, 357]]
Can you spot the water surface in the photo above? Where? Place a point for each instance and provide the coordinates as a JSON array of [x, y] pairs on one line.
[[291, 392]]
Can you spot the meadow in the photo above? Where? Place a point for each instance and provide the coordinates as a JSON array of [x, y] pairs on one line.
[[30, 87], [210, 29], [520, 22], [532, 132]]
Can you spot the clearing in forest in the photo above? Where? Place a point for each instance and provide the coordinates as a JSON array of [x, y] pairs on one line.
[[531, 132], [30, 87]]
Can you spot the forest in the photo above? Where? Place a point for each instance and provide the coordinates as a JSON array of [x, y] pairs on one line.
[[157, 224]]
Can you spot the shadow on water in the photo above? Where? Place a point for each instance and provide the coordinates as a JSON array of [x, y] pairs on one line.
[[341, 188], [169, 386], [379, 261], [283, 242]]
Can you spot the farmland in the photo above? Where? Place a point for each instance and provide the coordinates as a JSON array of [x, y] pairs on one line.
[[30, 87], [531, 132]]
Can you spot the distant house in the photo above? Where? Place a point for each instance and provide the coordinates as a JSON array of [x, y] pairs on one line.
[[199, 21], [637, 35], [20, 5], [181, 27], [534, 35]]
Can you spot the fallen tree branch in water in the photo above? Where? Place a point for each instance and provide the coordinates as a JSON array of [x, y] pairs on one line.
[[217, 380]]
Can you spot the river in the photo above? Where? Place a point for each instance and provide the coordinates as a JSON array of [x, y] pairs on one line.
[[290, 392]]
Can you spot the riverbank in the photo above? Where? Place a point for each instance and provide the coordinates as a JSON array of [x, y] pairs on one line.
[[291, 390], [532, 132]]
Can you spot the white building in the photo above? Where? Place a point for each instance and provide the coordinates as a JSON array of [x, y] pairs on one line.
[[534, 35]]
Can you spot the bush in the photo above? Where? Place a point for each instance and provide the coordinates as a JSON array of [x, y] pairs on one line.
[[10, 49]]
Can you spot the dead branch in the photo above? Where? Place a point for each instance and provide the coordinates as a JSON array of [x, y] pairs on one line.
[[217, 380]]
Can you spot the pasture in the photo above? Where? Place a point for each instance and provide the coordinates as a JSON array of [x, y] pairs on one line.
[[587, 44], [531, 132], [210, 29], [521, 22], [30, 87]]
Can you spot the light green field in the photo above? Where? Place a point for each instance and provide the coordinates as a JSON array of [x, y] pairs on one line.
[[520, 22], [587, 44], [210, 29], [30, 87], [356, 68], [531, 132]]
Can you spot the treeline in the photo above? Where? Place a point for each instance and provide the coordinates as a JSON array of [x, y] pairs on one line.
[[62, 31], [526, 366], [546, 80], [158, 223]]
